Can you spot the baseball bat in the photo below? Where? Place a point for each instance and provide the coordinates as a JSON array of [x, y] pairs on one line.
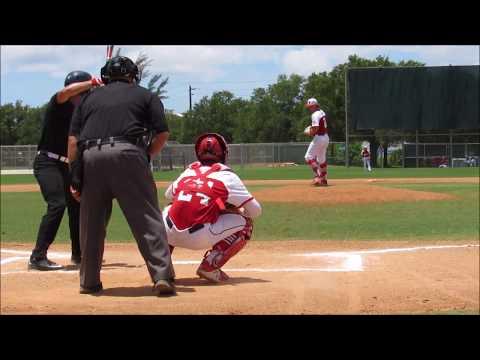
[[109, 51]]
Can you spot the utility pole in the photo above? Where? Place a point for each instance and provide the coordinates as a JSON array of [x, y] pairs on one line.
[[347, 153], [190, 94]]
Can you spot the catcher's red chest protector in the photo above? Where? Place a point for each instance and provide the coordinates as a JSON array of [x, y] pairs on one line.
[[198, 199]]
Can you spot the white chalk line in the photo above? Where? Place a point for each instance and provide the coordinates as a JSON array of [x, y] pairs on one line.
[[352, 260], [383, 251], [52, 255]]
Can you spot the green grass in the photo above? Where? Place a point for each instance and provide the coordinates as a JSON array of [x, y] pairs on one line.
[[301, 172], [456, 219]]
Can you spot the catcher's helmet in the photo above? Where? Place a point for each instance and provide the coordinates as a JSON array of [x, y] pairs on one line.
[[77, 76], [119, 67], [211, 148]]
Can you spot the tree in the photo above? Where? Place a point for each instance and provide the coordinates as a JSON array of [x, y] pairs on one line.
[[174, 122], [219, 113], [143, 62]]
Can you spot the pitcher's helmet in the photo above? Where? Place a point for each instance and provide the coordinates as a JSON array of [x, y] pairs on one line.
[[77, 76], [119, 67], [211, 148]]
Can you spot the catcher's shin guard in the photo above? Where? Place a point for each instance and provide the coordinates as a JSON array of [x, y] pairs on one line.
[[222, 252]]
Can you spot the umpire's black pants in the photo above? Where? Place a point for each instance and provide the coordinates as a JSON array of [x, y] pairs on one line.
[[122, 172], [54, 180]]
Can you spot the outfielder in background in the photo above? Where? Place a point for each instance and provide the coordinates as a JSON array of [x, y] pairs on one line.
[[366, 158], [316, 155], [210, 208]]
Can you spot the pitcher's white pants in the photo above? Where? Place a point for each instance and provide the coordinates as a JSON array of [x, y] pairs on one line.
[[366, 164], [208, 236], [317, 150]]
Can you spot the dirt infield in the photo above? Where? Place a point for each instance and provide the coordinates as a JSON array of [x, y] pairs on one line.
[[279, 277], [335, 182]]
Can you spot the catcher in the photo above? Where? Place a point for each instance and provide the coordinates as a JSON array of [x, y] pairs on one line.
[[210, 208]]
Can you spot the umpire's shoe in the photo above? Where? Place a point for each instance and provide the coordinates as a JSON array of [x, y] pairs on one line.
[[164, 287], [76, 260], [91, 290], [43, 264]]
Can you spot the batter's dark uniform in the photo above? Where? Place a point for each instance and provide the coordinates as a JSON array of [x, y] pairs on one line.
[[109, 124], [50, 168]]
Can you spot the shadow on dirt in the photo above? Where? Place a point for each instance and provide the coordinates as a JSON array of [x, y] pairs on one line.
[[202, 282], [182, 285], [104, 266], [125, 265], [136, 291]]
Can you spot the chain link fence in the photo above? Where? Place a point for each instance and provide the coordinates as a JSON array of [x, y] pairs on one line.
[[441, 154], [174, 156]]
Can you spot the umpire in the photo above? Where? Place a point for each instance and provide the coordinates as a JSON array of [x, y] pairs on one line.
[[109, 130], [51, 170]]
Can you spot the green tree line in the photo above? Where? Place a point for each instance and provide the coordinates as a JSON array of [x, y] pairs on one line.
[[272, 114]]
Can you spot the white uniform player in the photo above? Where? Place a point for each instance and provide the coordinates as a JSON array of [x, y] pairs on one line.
[[198, 218], [366, 159], [316, 155]]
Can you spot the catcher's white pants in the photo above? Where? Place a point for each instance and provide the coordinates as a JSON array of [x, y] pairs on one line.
[[208, 236], [317, 150], [366, 164]]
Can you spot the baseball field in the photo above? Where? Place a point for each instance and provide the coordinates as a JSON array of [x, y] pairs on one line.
[[393, 241]]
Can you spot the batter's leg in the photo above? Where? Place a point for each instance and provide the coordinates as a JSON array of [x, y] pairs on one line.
[[51, 183], [73, 207]]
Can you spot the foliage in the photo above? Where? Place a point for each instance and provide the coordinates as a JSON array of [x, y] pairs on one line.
[[20, 124], [143, 62], [272, 114]]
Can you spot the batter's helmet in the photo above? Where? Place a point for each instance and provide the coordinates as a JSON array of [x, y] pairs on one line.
[[77, 76], [119, 67], [211, 148]]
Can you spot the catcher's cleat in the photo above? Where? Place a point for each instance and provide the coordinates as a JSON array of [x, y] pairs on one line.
[[316, 181], [215, 276], [323, 183]]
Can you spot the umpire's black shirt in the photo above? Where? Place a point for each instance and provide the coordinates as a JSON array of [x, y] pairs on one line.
[[118, 109], [55, 127]]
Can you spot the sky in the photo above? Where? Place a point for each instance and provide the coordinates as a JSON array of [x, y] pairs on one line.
[[33, 74]]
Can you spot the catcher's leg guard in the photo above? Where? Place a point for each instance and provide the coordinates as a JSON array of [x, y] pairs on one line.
[[223, 251]]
